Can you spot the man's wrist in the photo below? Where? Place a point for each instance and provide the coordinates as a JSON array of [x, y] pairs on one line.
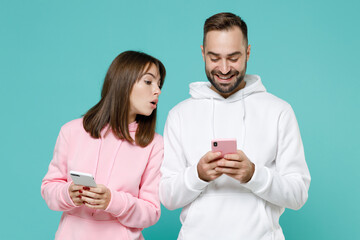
[[251, 172], [192, 179]]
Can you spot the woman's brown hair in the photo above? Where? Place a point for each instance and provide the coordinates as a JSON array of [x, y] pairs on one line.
[[113, 107]]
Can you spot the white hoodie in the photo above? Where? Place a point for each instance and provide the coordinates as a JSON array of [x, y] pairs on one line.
[[266, 130]]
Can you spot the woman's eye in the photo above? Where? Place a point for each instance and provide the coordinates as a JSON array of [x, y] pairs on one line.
[[147, 82]]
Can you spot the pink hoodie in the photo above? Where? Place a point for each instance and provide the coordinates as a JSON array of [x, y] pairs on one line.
[[129, 171]]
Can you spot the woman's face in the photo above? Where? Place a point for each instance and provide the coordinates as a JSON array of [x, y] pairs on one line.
[[145, 93]]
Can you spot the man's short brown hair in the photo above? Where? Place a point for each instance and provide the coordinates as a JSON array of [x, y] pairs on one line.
[[224, 21]]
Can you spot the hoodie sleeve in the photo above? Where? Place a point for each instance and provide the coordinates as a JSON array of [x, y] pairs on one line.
[[180, 184], [143, 210], [287, 185], [54, 187]]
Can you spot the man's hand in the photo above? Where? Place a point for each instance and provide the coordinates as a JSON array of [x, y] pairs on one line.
[[206, 166], [237, 166]]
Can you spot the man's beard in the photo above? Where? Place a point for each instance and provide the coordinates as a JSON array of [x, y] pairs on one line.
[[226, 88]]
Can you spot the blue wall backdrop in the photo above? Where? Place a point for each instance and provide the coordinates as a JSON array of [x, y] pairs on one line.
[[54, 55]]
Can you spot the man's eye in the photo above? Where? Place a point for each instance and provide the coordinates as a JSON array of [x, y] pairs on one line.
[[233, 59], [214, 59]]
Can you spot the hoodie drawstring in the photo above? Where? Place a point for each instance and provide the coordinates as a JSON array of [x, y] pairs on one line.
[[243, 121], [213, 117], [113, 162], [98, 157], [243, 127]]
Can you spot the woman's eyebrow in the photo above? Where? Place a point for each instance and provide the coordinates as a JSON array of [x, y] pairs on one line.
[[149, 74]]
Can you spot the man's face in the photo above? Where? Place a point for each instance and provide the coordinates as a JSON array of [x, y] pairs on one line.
[[225, 54]]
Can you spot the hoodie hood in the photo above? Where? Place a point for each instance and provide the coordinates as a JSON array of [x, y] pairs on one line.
[[202, 90], [104, 134], [132, 128]]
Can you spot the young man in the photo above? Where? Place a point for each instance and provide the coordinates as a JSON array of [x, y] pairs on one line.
[[242, 195]]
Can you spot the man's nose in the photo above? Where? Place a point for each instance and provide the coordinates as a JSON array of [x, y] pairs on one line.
[[224, 67]]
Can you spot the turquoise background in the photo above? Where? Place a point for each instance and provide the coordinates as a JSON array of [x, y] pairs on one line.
[[54, 55]]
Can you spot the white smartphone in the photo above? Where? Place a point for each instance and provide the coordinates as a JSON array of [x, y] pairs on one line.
[[224, 145], [85, 179]]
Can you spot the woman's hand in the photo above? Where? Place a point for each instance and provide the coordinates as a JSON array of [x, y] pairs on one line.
[[97, 198], [75, 194]]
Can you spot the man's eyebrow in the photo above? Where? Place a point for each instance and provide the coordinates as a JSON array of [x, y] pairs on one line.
[[234, 53], [212, 53], [229, 55]]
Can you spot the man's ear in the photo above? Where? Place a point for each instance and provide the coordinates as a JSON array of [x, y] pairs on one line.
[[248, 52], [203, 52]]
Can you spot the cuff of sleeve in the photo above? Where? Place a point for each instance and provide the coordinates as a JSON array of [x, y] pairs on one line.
[[66, 195], [260, 180], [192, 180], [117, 204]]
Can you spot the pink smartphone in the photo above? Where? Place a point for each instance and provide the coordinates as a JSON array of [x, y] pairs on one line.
[[225, 146]]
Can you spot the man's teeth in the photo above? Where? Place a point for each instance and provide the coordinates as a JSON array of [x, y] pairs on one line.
[[224, 78]]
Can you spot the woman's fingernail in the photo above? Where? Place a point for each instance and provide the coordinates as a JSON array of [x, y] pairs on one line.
[[86, 188], [80, 191], [79, 196]]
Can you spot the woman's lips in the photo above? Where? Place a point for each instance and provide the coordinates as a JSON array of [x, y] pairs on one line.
[[154, 103]]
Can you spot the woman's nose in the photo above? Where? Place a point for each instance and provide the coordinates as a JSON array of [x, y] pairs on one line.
[[157, 90]]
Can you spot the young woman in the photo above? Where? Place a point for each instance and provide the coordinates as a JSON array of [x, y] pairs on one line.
[[116, 142]]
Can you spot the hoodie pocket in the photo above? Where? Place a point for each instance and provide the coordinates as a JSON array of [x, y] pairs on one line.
[[227, 216], [77, 228]]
